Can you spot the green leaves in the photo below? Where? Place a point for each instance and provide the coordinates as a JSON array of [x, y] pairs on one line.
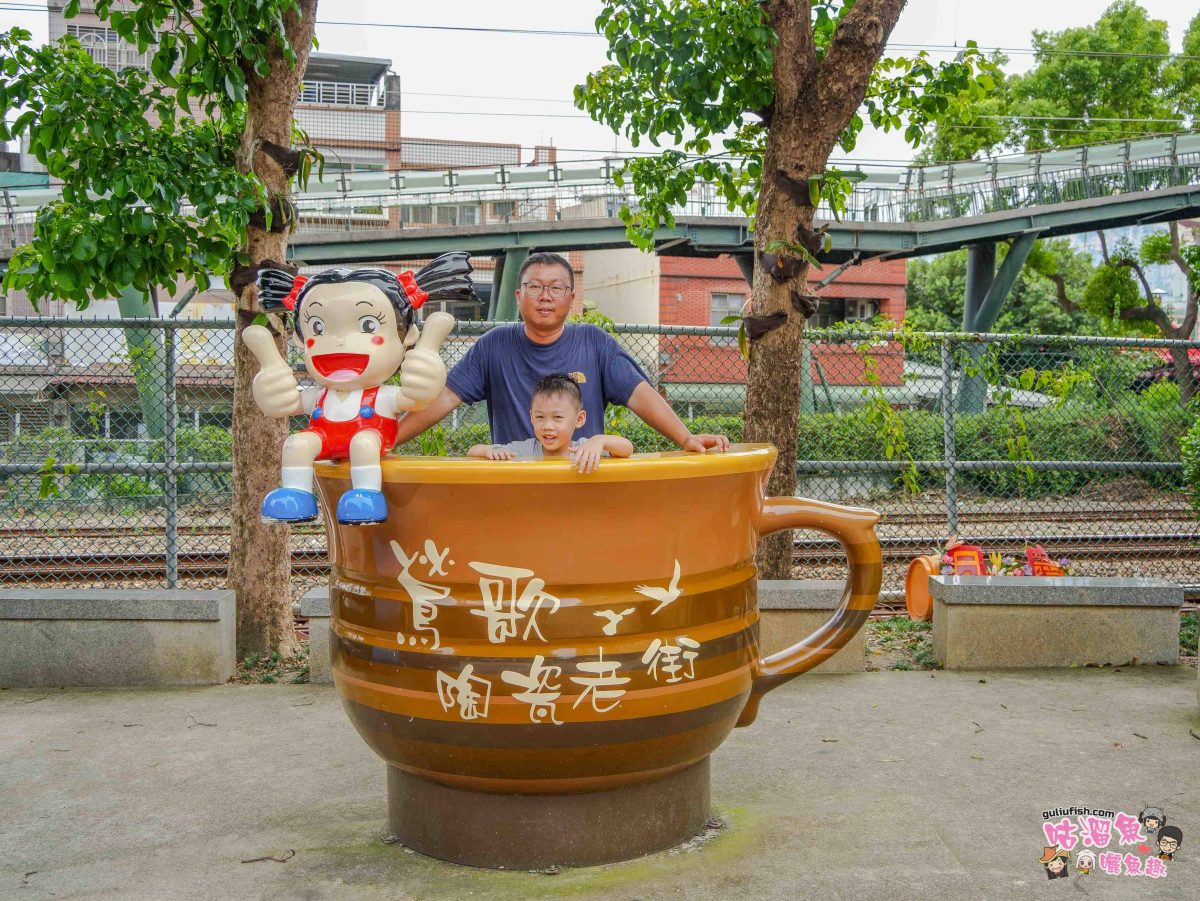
[[149, 193], [84, 248], [688, 70], [743, 340], [700, 72]]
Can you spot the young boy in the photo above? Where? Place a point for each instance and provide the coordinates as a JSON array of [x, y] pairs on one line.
[[556, 411]]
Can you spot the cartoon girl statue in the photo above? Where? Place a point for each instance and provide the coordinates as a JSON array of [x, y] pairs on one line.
[[356, 329], [1055, 861]]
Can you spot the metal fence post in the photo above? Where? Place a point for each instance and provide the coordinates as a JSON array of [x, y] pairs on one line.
[[949, 449], [169, 454]]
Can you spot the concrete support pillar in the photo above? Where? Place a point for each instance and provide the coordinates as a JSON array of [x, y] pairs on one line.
[[393, 145], [504, 295], [745, 263], [987, 289], [981, 270], [808, 402], [146, 359]]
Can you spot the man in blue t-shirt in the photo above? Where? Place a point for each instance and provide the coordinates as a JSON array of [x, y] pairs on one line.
[[505, 363]]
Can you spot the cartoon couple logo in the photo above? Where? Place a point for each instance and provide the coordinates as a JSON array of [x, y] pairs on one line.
[[1169, 838]]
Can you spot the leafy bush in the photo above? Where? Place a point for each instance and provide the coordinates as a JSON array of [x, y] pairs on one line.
[[1190, 452], [1188, 634], [1069, 432], [1156, 422], [207, 444], [645, 439]]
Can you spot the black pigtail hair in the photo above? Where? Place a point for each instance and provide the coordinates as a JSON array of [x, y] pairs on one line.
[[448, 277], [273, 286]]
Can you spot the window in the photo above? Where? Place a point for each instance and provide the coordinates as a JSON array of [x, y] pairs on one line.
[[417, 215], [461, 310], [830, 311], [722, 305], [95, 421], [467, 214], [202, 417], [105, 46], [458, 215]]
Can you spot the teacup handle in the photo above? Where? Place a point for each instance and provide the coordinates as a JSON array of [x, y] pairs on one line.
[[854, 527]]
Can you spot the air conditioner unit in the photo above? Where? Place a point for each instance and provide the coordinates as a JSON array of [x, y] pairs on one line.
[[859, 310]]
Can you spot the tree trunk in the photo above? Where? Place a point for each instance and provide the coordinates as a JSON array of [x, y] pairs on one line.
[[774, 374], [260, 562], [814, 101], [1184, 375]]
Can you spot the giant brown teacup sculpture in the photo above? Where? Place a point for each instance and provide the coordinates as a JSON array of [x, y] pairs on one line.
[[546, 660]]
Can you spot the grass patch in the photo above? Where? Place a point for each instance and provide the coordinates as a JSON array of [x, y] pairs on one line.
[[1187, 635], [268, 669], [900, 643]]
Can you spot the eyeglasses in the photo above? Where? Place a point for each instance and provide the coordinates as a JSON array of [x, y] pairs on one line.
[[537, 289]]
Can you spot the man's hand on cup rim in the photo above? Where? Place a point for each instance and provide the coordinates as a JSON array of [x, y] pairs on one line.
[[700, 444]]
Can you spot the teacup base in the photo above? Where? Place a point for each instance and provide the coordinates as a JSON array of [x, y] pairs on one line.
[[531, 832]]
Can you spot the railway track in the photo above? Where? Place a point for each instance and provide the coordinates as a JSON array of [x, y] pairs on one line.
[[215, 564], [982, 517], [935, 522]]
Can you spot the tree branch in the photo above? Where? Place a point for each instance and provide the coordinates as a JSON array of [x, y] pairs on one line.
[[1141, 274], [1190, 312], [766, 114], [185, 10], [857, 44], [1152, 310], [795, 52], [1154, 313], [1176, 255], [1060, 286]]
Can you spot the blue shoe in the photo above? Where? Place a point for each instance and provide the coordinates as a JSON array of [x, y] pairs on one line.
[[361, 506], [290, 505]]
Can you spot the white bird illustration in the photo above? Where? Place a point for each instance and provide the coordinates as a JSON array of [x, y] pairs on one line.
[[664, 596], [613, 619]]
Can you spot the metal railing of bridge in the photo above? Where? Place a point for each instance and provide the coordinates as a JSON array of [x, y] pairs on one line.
[[115, 466], [381, 200]]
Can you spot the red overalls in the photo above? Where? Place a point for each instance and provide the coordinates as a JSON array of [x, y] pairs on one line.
[[335, 436]]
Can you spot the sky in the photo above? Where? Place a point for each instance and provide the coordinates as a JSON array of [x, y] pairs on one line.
[[438, 68]]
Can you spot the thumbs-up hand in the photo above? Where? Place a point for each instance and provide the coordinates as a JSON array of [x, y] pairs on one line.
[[423, 374], [275, 388]]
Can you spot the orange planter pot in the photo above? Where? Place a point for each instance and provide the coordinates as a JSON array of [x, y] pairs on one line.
[[917, 599], [518, 637]]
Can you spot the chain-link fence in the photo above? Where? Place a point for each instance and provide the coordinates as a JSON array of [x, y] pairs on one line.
[[115, 445]]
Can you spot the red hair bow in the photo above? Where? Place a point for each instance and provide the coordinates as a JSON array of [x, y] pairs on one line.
[[289, 302], [416, 297]]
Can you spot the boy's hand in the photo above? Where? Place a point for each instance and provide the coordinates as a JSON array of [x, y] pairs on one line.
[[499, 453], [587, 456]]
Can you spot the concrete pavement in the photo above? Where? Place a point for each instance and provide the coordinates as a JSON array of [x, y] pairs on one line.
[[874, 785]]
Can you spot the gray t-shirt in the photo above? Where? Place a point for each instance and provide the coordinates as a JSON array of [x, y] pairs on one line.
[[531, 448]]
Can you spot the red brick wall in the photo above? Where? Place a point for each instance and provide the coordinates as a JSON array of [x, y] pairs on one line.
[[686, 285]]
